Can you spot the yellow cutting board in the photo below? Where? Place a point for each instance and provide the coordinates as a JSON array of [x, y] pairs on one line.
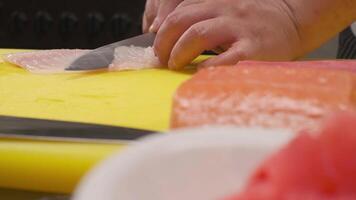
[[137, 99]]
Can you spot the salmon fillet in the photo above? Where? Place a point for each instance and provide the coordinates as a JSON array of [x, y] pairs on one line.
[[344, 65], [260, 95]]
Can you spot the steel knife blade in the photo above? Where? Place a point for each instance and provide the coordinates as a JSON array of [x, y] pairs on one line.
[[29, 128], [103, 56]]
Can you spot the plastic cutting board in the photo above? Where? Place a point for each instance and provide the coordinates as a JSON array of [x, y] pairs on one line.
[[137, 99]]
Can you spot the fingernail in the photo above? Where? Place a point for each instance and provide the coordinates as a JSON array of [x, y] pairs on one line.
[[172, 64], [153, 27]]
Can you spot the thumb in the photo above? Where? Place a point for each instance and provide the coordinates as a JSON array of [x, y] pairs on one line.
[[164, 9], [150, 14], [238, 52]]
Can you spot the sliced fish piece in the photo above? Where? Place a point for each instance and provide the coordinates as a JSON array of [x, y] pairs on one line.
[[134, 58], [57, 60], [45, 61]]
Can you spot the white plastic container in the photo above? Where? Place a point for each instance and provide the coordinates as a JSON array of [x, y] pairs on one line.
[[197, 164]]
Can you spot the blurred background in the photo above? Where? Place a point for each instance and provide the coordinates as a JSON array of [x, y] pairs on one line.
[[47, 24]]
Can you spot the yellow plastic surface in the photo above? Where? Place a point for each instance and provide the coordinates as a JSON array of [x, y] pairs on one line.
[[48, 166], [138, 99]]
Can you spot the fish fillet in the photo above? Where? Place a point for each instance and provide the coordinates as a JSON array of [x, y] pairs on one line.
[[278, 97], [45, 61], [344, 65], [57, 60], [134, 58]]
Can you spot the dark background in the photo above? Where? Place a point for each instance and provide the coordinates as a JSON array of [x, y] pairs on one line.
[[47, 24]]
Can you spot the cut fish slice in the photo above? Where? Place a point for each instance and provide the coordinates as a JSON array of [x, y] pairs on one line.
[[134, 58], [45, 61], [57, 60]]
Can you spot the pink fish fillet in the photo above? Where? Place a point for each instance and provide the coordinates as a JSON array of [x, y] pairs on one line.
[[45, 61], [56, 60]]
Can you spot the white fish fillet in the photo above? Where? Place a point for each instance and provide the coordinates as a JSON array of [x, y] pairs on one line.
[[45, 61], [134, 58], [56, 60]]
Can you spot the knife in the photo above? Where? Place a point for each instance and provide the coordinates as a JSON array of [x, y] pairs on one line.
[[103, 56], [28, 128]]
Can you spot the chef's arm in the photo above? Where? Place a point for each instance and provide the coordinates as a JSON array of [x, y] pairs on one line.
[[319, 20]]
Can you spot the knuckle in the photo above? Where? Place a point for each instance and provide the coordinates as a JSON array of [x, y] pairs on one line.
[[242, 10], [174, 19], [241, 51], [171, 2], [199, 32], [242, 55], [183, 4]]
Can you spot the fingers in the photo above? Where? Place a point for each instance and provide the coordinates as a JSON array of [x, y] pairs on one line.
[[176, 24], [144, 24], [241, 50], [164, 9], [149, 14], [189, 2], [205, 35]]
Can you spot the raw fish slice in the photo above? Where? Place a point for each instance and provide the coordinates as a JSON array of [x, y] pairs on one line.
[[319, 166], [277, 97], [55, 61], [45, 61], [134, 58]]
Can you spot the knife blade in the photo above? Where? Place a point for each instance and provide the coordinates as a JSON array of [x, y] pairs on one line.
[[103, 56], [19, 127]]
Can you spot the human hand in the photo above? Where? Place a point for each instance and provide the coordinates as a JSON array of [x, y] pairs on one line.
[[156, 12], [246, 29], [249, 29]]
